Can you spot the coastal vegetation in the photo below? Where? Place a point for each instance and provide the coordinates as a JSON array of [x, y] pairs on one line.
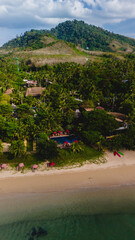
[[93, 101]]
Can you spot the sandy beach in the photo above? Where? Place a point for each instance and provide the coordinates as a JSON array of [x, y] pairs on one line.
[[116, 171]]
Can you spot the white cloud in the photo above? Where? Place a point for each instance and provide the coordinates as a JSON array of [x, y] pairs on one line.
[[26, 14], [36, 11], [109, 11], [33, 13]]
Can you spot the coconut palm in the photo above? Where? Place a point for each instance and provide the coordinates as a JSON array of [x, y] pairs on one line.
[[17, 148]]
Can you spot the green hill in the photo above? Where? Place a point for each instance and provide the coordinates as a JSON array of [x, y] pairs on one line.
[[80, 34], [91, 37], [33, 39]]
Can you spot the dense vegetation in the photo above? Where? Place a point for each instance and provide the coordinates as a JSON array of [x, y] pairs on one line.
[[67, 87], [88, 36], [33, 39], [77, 32]]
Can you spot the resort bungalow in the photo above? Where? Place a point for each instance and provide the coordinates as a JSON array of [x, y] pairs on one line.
[[34, 91]]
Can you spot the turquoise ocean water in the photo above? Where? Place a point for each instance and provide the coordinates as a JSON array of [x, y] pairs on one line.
[[100, 214]]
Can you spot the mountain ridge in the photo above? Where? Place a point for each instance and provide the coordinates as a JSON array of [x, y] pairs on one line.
[[76, 33]]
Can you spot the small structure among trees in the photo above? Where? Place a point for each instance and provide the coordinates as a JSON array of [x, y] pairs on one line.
[[34, 91]]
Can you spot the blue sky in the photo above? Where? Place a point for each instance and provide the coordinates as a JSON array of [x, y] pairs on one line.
[[18, 16]]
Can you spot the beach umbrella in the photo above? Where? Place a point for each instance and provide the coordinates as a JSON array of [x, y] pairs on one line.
[[76, 141], [59, 131], [3, 165], [35, 166], [114, 153], [67, 131], [52, 164], [66, 142], [120, 153], [21, 164], [54, 132]]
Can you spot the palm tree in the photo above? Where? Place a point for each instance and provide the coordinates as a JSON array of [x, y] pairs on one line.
[[77, 147], [17, 148]]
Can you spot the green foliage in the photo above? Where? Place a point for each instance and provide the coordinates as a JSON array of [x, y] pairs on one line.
[[77, 147], [17, 148], [128, 139], [90, 137], [9, 130], [4, 99], [43, 136], [68, 86], [67, 157], [47, 149], [76, 32], [32, 40], [114, 143], [31, 130], [1, 148], [123, 140], [23, 111], [100, 121], [127, 106], [27, 159], [87, 36], [6, 110]]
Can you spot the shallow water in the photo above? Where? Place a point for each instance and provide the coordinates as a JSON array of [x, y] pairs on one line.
[[105, 214]]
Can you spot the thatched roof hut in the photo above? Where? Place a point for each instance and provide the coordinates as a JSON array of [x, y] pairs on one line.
[[34, 91], [117, 115]]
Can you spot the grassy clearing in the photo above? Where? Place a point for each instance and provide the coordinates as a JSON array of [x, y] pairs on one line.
[[27, 159], [65, 158], [68, 158]]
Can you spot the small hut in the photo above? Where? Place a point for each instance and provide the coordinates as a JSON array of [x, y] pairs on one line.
[[34, 91]]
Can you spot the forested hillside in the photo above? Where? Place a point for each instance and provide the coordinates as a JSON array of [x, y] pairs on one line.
[[33, 39], [90, 37], [80, 34]]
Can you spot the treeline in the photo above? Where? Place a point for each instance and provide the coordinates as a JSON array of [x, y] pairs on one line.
[[111, 82], [67, 87]]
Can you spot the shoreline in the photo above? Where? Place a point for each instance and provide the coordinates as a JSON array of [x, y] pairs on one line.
[[115, 172]]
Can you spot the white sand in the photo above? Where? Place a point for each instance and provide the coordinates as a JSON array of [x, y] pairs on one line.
[[115, 172]]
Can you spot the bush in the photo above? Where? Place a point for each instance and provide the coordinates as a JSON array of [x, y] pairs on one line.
[[128, 139], [6, 110], [1, 148], [114, 143], [124, 140], [67, 157], [47, 148], [17, 148], [91, 137], [100, 121], [77, 147]]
